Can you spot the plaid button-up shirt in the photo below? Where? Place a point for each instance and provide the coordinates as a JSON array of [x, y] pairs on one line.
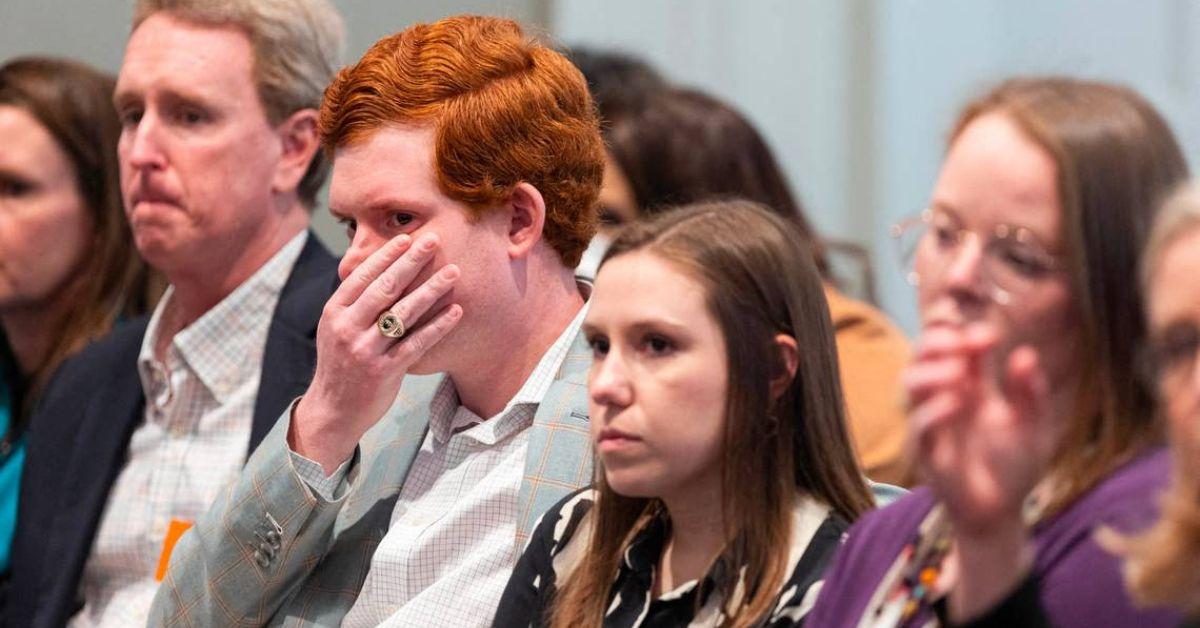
[[449, 549], [192, 443]]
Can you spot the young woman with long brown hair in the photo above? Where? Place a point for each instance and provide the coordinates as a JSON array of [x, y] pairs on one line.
[[1031, 425], [725, 476], [68, 268]]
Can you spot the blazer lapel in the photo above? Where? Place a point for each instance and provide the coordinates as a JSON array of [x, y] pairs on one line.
[[290, 354], [99, 455], [559, 458], [389, 448]]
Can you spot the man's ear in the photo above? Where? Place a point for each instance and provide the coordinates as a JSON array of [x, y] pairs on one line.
[[527, 219], [300, 141], [789, 360]]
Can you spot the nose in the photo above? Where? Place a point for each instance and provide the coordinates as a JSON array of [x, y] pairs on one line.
[[963, 272], [362, 245], [609, 384], [143, 148]]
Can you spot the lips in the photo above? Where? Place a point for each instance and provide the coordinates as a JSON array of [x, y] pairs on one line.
[[146, 191], [612, 439], [152, 197]]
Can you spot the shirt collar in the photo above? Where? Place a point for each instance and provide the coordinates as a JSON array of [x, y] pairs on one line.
[[447, 416], [219, 347]]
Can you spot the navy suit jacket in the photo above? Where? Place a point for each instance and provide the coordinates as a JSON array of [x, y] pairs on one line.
[[79, 436]]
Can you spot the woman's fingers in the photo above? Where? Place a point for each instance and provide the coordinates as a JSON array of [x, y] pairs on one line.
[[923, 379]]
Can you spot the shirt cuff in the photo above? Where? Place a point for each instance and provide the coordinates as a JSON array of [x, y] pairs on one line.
[[331, 488]]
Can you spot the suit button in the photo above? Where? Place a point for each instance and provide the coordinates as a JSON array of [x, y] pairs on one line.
[[262, 560]]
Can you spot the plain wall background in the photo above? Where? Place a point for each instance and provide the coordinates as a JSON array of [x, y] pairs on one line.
[[855, 96]]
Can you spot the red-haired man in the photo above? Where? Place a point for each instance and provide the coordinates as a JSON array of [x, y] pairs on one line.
[[467, 160]]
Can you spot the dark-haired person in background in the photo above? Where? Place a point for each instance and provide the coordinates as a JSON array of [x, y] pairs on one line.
[[669, 146], [68, 269], [725, 476]]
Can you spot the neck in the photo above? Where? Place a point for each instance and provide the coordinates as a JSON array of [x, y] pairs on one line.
[[486, 388], [197, 290], [697, 532]]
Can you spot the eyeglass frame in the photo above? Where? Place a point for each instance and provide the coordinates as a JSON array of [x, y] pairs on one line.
[[1048, 263]]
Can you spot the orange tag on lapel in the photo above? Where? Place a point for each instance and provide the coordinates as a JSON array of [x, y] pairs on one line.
[[174, 531]]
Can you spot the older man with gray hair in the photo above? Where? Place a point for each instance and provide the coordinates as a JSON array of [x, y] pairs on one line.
[[219, 172]]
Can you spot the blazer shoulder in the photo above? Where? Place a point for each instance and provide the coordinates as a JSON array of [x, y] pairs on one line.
[[112, 357]]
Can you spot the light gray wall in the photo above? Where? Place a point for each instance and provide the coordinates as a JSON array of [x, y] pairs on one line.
[[856, 96], [95, 32]]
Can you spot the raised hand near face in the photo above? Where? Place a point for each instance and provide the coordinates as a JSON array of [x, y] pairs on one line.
[[984, 435], [981, 423], [361, 358]]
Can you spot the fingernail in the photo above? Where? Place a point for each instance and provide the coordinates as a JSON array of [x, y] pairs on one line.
[[450, 272], [428, 243]]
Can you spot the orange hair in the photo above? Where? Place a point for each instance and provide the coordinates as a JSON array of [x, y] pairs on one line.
[[505, 110]]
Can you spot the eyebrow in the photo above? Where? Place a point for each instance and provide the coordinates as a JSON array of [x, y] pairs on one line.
[[946, 209], [645, 324], [389, 204], [171, 94]]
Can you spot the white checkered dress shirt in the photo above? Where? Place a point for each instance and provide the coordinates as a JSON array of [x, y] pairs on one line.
[[193, 441], [450, 547]]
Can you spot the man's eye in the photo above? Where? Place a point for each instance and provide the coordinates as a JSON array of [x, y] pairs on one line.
[[191, 117], [131, 117], [398, 221], [609, 218]]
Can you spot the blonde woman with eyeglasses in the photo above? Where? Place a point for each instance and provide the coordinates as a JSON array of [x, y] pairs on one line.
[[1163, 565], [1030, 426]]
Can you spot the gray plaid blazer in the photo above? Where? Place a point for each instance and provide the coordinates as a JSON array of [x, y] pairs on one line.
[[270, 552]]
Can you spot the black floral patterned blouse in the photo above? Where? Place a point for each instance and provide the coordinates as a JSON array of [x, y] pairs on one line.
[[561, 537]]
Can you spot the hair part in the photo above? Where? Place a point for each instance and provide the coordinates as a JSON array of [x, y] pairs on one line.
[[505, 110], [297, 48], [73, 102], [760, 281], [1116, 159]]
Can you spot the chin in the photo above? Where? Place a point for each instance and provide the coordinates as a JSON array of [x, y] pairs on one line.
[[153, 248], [630, 483]]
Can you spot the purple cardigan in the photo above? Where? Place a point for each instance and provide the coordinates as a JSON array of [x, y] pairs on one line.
[[1081, 583]]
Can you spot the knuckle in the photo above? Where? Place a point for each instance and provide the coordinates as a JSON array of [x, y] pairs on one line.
[[387, 285]]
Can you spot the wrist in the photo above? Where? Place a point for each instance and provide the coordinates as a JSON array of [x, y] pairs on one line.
[[316, 434]]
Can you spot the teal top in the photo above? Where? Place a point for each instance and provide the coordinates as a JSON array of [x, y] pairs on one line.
[[12, 447], [12, 459]]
